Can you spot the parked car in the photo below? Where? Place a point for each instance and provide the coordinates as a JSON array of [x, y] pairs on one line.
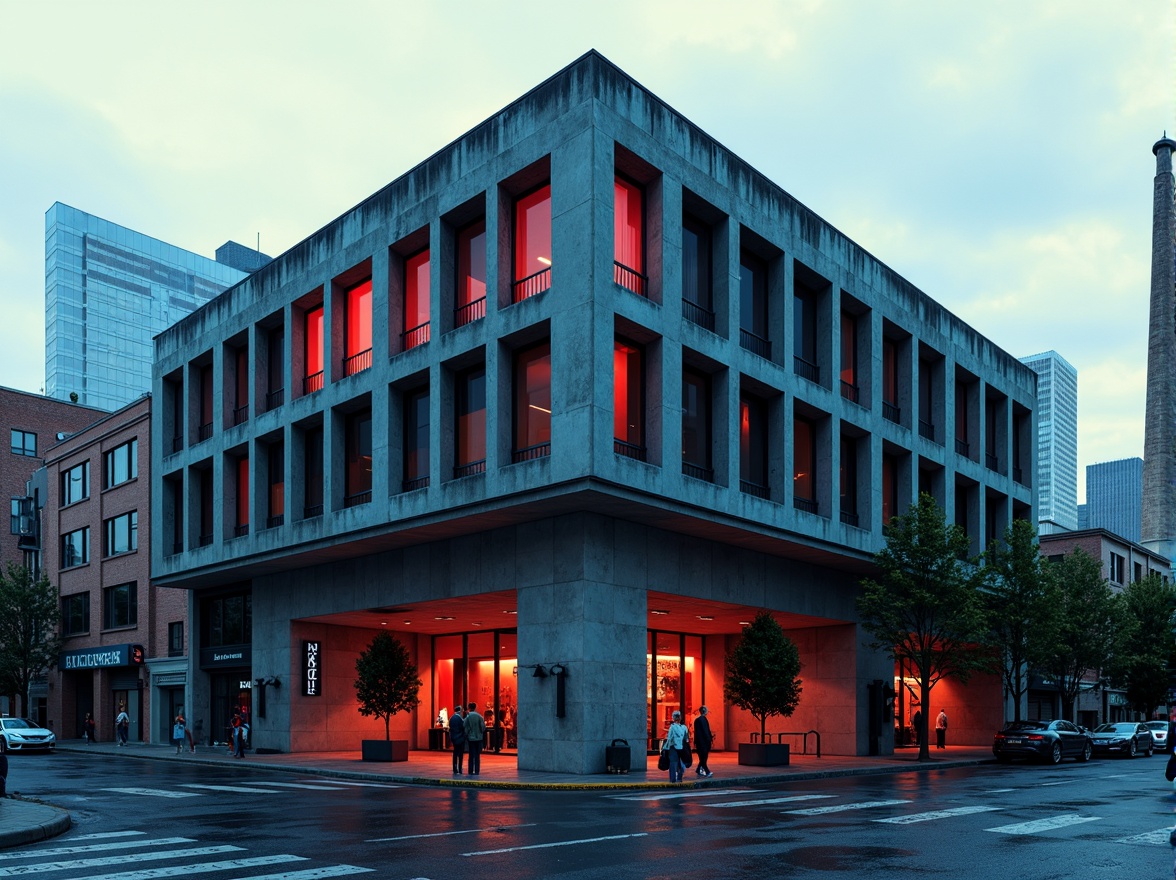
[[1126, 738], [1159, 732], [1048, 741], [20, 734]]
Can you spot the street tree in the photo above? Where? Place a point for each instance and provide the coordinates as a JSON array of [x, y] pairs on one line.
[[762, 671], [29, 644], [1021, 606], [924, 608], [1082, 641], [1144, 642], [386, 680]]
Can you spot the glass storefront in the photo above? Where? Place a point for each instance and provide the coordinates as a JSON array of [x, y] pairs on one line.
[[479, 667], [674, 664]]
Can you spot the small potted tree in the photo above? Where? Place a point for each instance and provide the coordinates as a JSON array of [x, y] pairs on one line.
[[761, 677], [386, 683]]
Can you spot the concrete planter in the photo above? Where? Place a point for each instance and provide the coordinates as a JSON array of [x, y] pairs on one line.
[[384, 749], [764, 754]]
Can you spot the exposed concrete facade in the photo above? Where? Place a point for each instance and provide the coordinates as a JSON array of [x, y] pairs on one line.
[[581, 551], [1159, 440]]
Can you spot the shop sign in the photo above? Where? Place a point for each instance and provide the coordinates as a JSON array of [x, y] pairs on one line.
[[311, 669], [96, 658], [227, 657]]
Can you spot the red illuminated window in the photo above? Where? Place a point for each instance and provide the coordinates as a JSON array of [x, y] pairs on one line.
[[416, 300], [416, 439], [628, 400], [314, 351], [470, 412], [696, 425], [889, 488], [242, 497], [532, 403], [628, 235], [753, 446], [804, 464], [849, 357], [357, 472], [470, 302], [358, 353], [277, 486], [532, 243]]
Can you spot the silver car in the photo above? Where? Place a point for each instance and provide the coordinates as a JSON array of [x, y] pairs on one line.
[[1159, 732], [20, 735]]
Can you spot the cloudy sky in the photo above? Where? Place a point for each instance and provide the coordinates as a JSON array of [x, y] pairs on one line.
[[996, 154]]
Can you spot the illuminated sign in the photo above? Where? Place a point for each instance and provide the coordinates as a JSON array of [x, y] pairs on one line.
[[312, 669], [96, 658], [138, 655]]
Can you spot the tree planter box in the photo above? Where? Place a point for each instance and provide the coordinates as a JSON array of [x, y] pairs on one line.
[[384, 749], [764, 754]]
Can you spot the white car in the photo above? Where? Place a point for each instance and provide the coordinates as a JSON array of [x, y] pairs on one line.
[[20, 734], [1159, 732]]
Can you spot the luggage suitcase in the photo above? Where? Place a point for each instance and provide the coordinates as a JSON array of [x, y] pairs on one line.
[[617, 757]]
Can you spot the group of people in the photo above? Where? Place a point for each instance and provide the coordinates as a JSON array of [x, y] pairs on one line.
[[940, 728], [467, 731], [677, 745]]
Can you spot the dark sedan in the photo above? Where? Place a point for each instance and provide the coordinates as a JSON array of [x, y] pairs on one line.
[[1125, 738], [1048, 741]]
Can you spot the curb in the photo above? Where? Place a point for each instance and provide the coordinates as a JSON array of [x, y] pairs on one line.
[[46, 822]]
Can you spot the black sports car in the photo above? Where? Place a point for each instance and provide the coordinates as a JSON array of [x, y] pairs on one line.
[[1049, 741], [1124, 738]]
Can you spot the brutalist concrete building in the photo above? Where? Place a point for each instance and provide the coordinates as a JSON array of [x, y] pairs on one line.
[[563, 407]]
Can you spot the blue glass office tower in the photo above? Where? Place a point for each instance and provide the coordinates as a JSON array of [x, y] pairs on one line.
[[108, 291], [1057, 442], [1114, 497]]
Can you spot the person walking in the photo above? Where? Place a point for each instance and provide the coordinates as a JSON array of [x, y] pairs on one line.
[[475, 731], [239, 734], [917, 724], [941, 730], [703, 739], [179, 734], [89, 729], [457, 739], [122, 724], [677, 738]]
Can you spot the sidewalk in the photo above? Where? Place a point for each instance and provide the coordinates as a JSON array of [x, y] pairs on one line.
[[23, 821]]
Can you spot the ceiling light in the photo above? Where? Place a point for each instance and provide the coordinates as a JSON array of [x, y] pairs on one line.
[[408, 623], [745, 623], [657, 611], [544, 260], [509, 612], [443, 617], [704, 617], [383, 623]]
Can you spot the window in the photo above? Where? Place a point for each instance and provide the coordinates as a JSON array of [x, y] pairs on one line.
[[471, 273], [993, 411], [227, 620], [120, 464], [849, 481], [276, 466], [696, 425], [961, 413], [314, 351], [75, 547], [416, 300], [926, 399], [532, 243], [312, 472], [75, 614], [628, 235], [357, 356], [120, 606], [753, 446], [804, 340], [1117, 564], [416, 439], [24, 443], [628, 400], [696, 272], [890, 380], [275, 368], [241, 477], [849, 357], [175, 639], [1138, 572], [889, 488], [241, 386], [532, 403], [75, 483], [470, 403], [357, 474], [206, 502], [121, 534], [177, 415], [14, 523], [204, 429], [753, 304], [804, 464]]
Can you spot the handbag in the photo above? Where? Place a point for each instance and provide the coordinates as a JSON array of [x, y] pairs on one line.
[[663, 760], [685, 756]]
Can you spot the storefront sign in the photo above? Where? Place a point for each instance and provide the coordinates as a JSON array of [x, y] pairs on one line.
[[97, 658], [311, 669], [226, 657]]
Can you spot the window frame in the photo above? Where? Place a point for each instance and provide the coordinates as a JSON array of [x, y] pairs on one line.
[[628, 383], [469, 421], [703, 417], [416, 438], [527, 280], [466, 242], [129, 452], [23, 448], [80, 474], [110, 532], [83, 539], [111, 600], [531, 420], [82, 600], [357, 446]]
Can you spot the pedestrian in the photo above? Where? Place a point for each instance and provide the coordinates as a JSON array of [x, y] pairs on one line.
[[1170, 745], [703, 740], [122, 724], [917, 724], [179, 734], [941, 730], [677, 739], [3, 774], [239, 734], [475, 731], [89, 729], [457, 739]]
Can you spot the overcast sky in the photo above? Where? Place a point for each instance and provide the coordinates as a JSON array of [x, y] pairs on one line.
[[997, 154]]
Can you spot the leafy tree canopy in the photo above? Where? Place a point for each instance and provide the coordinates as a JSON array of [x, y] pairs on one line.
[[387, 680], [1144, 642], [761, 671], [29, 613]]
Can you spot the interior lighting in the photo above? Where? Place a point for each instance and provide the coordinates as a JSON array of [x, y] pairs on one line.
[[544, 260], [704, 617], [657, 611], [443, 617]]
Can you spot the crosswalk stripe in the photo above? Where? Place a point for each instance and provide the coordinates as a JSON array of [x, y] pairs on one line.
[[779, 800], [688, 793], [199, 868], [103, 835], [1159, 837], [153, 792], [861, 805], [496, 829], [96, 847], [1039, 825], [935, 814], [314, 873], [107, 861], [237, 789], [509, 849], [365, 784], [306, 785]]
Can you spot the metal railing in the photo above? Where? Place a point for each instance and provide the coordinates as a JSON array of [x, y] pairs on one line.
[[808, 505], [806, 369], [755, 344], [272, 522], [991, 462], [311, 511], [630, 279], [357, 362], [414, 484], [962, 447], [849, 391], [358, 498], [469, 313], [628, 450], [850, 519], [415, 336], [241, 531], [891, 413], [204, 432], [1018, 476], [696, 314], [204, 540], [313, 383], [530, 453], [469, 469], [698, 472], [525, 288], [804, 734], [759, 490], [177, 443], [177, 547], [927, 429], [241, 415], [274, 399]]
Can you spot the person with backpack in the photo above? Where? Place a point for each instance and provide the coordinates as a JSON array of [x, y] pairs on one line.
[[457, 739], [122, 724]]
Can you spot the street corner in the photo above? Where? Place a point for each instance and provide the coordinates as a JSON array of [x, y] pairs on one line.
[[24, 821]]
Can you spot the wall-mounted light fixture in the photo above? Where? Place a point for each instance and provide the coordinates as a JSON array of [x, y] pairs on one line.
[[539, 672]]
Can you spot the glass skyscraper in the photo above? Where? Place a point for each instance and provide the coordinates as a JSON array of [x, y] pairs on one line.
[[108, 291], [1057, 442], [1114, 497]]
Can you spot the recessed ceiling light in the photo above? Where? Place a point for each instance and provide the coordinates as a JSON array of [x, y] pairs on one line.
[[745, 623], [408, 623], [657, 611], [443, 617], [383, 623], [508, 611], [475, 624], [704, 617]]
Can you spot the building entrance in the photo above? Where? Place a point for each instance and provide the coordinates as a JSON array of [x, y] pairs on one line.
[[232, 693], [482, 668], [674, 664]]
